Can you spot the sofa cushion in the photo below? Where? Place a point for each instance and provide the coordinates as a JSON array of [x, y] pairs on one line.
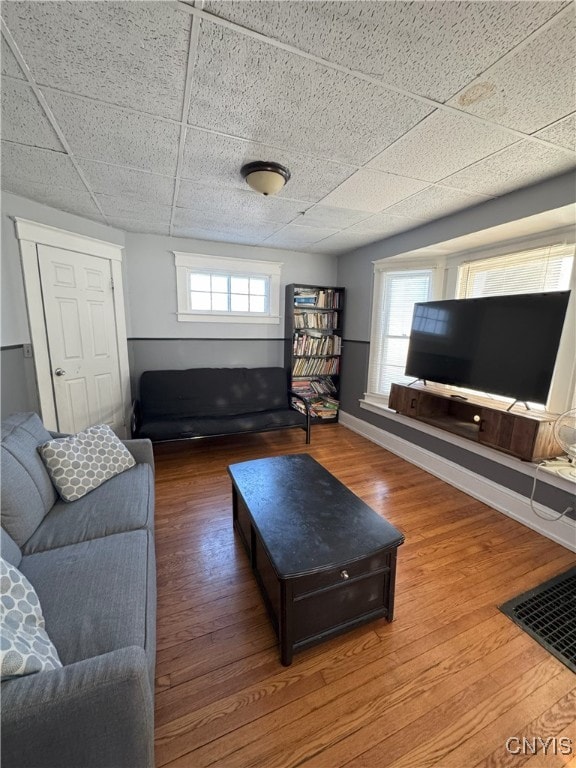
[[95, 594], [181, 429], [9, 550], [27, 491], [201, 392], [123, 503], [25, 647], [79, 463]]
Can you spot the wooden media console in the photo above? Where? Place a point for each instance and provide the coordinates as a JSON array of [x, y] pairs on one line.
[[528, 435]]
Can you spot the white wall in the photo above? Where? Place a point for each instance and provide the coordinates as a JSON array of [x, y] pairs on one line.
[[14, 328], [151, 285], [150, 293]]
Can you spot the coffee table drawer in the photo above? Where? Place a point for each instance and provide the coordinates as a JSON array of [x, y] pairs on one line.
[[317, 612], [341, 574]]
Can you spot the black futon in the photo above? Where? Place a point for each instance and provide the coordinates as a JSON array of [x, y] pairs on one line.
[[203, 402]]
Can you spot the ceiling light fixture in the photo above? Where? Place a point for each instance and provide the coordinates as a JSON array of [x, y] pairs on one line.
[[265, 177]]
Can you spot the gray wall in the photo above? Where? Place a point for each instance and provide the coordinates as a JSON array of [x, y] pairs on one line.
[[18, 383], [19, 388], [155, 338], [158, 341], [355, 273]]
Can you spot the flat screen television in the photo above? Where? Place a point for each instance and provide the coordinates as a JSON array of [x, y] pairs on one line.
[[504, 345]]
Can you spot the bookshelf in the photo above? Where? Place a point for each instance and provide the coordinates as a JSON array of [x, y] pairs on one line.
[[313, 347]]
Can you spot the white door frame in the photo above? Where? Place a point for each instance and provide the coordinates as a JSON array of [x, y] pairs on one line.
[[31, 234]]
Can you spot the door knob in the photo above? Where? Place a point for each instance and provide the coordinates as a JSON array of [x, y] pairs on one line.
[[59, 372]]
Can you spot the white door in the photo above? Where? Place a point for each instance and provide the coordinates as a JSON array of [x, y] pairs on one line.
[[78, 298]]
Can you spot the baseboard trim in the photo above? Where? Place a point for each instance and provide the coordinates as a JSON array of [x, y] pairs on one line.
[[497, 496]]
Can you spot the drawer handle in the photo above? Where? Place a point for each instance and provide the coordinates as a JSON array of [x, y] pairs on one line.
[[345, 575]]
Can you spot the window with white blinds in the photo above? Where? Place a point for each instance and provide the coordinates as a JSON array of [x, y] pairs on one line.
[[533, 271], [396, 291], [394, 299]]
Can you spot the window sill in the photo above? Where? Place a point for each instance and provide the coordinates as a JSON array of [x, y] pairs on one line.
[[184, 317], [524, 467]]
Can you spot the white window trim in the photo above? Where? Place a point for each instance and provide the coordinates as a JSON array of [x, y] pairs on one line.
[[381, 268], [187, 261], [562, 395]]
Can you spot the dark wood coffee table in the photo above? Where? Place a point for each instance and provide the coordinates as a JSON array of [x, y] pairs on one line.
[[325, 562]]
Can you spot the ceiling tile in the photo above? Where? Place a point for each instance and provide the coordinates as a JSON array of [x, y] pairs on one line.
[[223, 223], [513, 167], [247, 88], [220, 236], [8, 61], [385, 224], [369, 190], [402, 43], [137, 225], [21, 163], [324, 216], [293, 236], [134, 209], [23, 119], [210, 158], [532, 87], [114, 135], [562, 132], [434, 202], [240, 203], [441, 144], [126, 182], [132, 54], [76, 201], [344, 241], [363, 157]]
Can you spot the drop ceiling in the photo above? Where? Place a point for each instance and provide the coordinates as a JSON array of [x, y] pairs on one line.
[[388, 114]]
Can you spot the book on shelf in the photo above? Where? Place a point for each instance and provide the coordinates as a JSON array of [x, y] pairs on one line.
[[313, 366], [311, 387], [322, 320], [321, 298], [307, 343], [320, 407]]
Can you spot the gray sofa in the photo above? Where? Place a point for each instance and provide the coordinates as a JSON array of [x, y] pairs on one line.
[[92, 564]]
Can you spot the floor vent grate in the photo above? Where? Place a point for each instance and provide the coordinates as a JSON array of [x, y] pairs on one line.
[[548, 614]]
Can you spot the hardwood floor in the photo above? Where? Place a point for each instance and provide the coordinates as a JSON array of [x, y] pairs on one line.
[[445, 684]]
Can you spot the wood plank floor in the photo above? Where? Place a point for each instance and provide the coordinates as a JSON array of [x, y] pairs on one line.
[[445, 684]]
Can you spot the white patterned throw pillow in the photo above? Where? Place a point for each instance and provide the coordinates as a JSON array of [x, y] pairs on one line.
[[80, 463], [25, 647]]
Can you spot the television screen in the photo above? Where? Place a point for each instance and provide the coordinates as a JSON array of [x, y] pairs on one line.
[[505, 345]]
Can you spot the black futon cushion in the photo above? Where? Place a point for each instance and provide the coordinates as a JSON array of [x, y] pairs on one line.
[[199, 402], [180, 429], [198, 392]]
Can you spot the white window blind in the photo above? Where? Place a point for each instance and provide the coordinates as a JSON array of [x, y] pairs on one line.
[[536, 270], [395, 296], [533, 271]]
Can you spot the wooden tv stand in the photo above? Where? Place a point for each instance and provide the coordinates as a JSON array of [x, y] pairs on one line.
[[527, 435]]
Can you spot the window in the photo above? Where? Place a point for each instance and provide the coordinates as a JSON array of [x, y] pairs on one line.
[[214, 289], [395, 293], [533, 271], [398, 287]]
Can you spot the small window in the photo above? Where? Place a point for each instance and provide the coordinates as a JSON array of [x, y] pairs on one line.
[[214, 289]]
